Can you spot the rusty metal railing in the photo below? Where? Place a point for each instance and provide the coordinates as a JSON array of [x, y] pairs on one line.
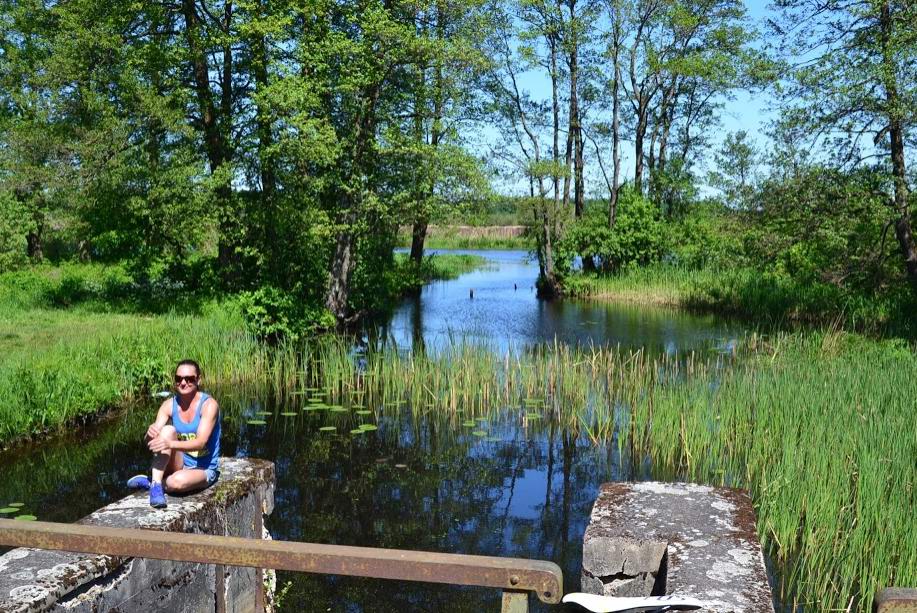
[[896, 600], [515, 576]]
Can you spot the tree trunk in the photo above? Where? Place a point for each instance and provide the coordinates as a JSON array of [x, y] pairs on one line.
[[418, 236], [214, 141], [555, 116], [615, 118], [639, 135], [34, 246], [899, 170], [339, 276], [260, 62], [615, 143]]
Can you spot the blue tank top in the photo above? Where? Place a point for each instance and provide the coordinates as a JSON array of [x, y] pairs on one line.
[[209, 457]]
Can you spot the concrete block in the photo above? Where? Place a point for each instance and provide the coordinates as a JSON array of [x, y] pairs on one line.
[[34, 580], [653, 538]]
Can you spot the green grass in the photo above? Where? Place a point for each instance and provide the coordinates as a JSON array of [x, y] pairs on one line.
[[767, 298], [658, 284], [818, 427], [469, 242]]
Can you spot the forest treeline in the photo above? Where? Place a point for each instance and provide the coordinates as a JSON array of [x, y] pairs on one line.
[[274, 149]]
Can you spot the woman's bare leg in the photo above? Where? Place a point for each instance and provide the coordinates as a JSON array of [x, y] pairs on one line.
[[186, 480], [168, 460]]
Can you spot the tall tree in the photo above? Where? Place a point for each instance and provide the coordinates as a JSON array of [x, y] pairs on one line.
[[854, 88]]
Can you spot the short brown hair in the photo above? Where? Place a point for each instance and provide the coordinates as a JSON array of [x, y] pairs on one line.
[[189, 362]]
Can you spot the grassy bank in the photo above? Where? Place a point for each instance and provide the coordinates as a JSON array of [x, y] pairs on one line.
[[767, 298], [518, 243], [654, 285], [78, 340]]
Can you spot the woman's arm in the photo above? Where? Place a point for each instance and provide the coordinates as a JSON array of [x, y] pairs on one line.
[[163, 415], [204, 429]]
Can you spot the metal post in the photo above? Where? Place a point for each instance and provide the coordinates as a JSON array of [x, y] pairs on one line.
[[515, 602], [259, 534]]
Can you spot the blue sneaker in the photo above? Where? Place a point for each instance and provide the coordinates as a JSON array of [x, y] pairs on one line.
[[139, 482], [157, 498]]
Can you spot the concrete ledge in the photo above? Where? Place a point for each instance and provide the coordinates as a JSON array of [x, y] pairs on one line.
[[38, 580], [654, 538]]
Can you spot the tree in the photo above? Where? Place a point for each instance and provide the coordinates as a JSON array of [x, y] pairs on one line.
[[854, 89], [735, 174]]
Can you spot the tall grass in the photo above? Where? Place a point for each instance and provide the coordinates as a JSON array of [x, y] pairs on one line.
[[659, 284], [516, 243], [819, 427], [768, 298]]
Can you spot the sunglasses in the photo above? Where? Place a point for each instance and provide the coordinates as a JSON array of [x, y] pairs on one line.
[[189, 379]]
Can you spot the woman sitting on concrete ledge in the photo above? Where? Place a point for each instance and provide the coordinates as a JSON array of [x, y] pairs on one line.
[[185, 438]]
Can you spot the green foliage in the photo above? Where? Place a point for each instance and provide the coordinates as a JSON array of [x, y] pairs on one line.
[[273, 314], [637, 237], [707, 235], [14, 225], [826, 226]]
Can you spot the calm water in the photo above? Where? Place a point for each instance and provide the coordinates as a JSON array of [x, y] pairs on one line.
[[524, 489], [505, 312]]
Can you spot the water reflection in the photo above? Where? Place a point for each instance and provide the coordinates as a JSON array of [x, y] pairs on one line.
[[504, 312], [426, 483]]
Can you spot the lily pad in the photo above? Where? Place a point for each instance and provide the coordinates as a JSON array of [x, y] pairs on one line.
[[368, 427], [263, 413], [469, 423], [256, 422], [401, 465], [364, 412], [480, 433], [16, 505], [289, 414], [338, 410], [335, 406], [316, 399], [6, 510], [328, 428], [533, 415], [312, 407], [25, 517], [357, 406], [482, 420], [356, 431]]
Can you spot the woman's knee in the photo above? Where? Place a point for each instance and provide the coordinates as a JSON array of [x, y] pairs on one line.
[[168, 432], [176, 481]]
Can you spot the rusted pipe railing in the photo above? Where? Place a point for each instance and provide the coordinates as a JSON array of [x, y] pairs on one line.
[[515, 576], [896, 600]]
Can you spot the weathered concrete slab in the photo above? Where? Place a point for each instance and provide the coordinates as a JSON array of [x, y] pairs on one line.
[[37, 580], [654, 538]]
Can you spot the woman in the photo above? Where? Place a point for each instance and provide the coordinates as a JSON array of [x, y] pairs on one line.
[[185, 438]]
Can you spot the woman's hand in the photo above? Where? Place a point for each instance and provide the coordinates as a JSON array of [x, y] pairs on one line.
[[153, 432], [158, 445]]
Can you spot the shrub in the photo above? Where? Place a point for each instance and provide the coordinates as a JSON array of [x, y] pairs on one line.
[[637, 237]]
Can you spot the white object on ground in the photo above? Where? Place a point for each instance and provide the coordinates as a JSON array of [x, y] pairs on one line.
[[162, 394], [608, 604]]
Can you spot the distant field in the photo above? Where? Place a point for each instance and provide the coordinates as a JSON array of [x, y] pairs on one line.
[[469, 237]]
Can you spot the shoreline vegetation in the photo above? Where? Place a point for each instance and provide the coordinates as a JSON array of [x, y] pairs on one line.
[[750, 294], [80, 340]]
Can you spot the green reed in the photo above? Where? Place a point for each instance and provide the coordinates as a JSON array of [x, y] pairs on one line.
[[819, 427]]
